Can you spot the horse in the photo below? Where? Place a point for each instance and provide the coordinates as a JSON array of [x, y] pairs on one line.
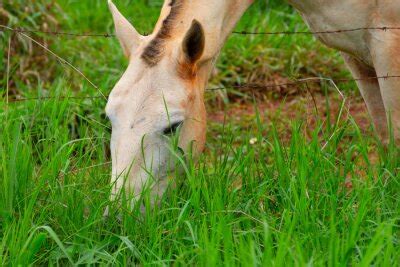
[[161, 93]]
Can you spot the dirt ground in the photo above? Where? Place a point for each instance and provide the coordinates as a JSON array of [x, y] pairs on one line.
[[305, 108]]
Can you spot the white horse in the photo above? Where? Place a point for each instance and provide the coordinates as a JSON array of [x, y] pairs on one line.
[[163, 88]]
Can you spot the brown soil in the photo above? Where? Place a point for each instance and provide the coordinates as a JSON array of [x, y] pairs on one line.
[[301, 107]]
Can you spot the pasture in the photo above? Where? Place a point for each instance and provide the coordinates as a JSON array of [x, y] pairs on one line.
[[292, 175]]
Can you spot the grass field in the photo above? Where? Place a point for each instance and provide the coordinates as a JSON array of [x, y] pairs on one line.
[[283, 182]]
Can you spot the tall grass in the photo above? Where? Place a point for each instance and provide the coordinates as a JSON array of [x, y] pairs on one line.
[[290, 198], [278, 202]]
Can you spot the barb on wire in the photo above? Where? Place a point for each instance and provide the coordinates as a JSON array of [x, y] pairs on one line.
[[250, 86]]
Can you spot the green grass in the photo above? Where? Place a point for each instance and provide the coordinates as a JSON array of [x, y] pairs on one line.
[[286, 200]]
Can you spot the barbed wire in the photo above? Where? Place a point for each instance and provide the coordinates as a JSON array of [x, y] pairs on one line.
[[302, 81], [70, 34], [383, 28], [109, 35], [251, 86], [58, 98]]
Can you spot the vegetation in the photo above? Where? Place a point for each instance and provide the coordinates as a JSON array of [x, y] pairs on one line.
[[279, 186]]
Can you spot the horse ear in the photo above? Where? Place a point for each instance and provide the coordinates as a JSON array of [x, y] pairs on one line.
[[127, 35], [194, 42]]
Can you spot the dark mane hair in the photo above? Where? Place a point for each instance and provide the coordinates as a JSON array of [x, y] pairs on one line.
[[154, 51]]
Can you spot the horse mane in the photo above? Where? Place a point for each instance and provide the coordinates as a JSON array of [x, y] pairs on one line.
[[153, 53]]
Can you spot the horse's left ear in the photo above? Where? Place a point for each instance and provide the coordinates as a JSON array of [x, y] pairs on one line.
[[194, 42], [127, 35]]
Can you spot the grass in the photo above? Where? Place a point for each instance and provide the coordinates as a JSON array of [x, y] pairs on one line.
[[289, 198]]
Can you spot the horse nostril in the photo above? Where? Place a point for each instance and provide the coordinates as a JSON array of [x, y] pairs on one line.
[[181, 151], [173, 128]]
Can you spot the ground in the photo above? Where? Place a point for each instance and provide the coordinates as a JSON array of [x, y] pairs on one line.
[[293, 175]]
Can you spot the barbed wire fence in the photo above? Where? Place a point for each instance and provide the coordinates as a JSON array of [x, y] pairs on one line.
[[109, 35], [251, 86]]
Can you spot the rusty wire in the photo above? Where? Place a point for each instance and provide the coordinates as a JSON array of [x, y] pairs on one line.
[[251, 86], [109, 35], [4, 28], [383, 28]]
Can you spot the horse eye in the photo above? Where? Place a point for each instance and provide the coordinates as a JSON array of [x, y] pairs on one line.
[[173, 128]]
